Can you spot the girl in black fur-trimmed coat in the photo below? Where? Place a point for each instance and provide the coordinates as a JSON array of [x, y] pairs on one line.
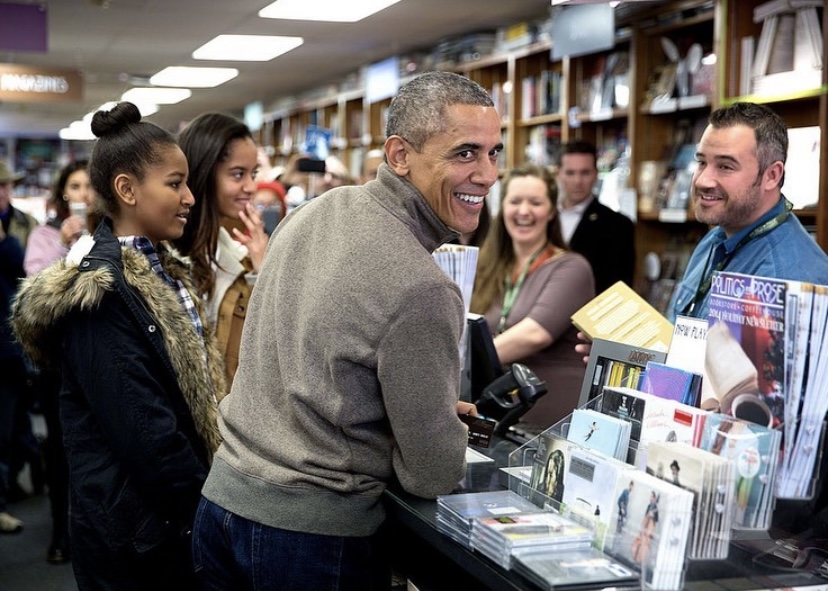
[[140, 380]]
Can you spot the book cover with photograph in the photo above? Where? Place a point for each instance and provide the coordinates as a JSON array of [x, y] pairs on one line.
[[745, 361]]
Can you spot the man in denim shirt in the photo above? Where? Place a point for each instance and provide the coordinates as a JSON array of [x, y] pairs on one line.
[[737, 187]]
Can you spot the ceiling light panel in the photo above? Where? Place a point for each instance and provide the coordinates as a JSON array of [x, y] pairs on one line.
[[324, 10], [246, 48], [193, 77], [157, 96]]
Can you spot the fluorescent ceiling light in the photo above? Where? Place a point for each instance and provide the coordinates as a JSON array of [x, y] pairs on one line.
[[77, 130], [156, 96], [246, 48], [324, 10], [193, 77]]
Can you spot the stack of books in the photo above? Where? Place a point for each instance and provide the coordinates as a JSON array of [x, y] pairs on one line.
[[456, 512]]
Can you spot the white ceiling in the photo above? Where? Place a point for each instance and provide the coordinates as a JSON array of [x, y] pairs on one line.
[[117, 46]]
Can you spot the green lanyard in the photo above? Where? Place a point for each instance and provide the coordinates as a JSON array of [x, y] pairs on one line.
[[512, 291], [706, 279]]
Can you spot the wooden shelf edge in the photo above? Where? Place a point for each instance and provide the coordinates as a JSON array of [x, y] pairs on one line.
[[775, 98], [540, 120]]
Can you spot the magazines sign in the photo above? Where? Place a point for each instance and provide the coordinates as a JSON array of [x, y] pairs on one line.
[[24, 84]]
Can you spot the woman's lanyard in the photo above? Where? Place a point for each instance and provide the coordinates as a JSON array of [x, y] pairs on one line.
[[512, 291], [706, 279]]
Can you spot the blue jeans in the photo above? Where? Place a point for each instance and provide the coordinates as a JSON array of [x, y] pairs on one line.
[[234, 553]]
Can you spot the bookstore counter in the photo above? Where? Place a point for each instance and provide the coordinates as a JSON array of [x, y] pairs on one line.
[[431, 560]]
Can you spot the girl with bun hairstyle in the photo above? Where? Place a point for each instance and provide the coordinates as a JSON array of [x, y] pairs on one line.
[[124, 326]]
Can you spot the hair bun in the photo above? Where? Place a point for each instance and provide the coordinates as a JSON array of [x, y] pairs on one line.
[[113, 121]]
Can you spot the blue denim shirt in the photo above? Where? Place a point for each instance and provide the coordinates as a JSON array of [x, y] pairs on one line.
[[786, 252]]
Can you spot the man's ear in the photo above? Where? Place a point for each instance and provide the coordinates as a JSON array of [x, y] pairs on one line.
[[397, 152], [773, 175], [123, 184]]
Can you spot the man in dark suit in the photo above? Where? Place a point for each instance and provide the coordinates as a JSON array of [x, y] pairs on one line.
[[605, 237]]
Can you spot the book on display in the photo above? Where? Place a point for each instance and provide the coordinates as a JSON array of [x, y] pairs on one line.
[[767, 363]]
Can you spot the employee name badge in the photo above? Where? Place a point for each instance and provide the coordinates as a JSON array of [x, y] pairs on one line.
[[480, 430]]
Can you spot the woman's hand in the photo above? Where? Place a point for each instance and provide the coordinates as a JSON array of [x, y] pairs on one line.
[[584, 347], [255, 239], [71, 229]]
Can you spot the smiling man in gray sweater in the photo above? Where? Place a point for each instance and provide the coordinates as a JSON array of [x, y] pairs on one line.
[[349, 372]]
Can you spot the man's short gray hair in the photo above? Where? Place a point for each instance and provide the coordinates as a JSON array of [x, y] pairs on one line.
[[418, 110]]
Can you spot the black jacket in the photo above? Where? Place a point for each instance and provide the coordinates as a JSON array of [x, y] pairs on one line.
[[137, 401], [607, 239]]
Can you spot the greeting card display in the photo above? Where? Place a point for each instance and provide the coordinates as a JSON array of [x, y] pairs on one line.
[[589, 495], [653, 418], [710, 478], [601, 432], [653, 520], [753, 450]]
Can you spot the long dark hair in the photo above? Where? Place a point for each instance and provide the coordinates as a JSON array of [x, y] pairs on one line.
[[205, 142], [58, 203]]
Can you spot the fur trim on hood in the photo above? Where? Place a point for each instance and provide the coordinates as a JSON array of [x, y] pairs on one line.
[[47, 299]]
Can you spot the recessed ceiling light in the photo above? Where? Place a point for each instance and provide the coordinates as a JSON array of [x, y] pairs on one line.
[[193, 77], [324, 10], [246, 48], [156, 96]]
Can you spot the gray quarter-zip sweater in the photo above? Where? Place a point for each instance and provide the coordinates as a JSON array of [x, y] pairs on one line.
[[349, 367]]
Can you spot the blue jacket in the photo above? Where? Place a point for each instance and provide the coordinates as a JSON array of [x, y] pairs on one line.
[[786, 252]]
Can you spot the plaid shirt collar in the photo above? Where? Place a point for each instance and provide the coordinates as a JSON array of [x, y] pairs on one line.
[[143, 245]]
